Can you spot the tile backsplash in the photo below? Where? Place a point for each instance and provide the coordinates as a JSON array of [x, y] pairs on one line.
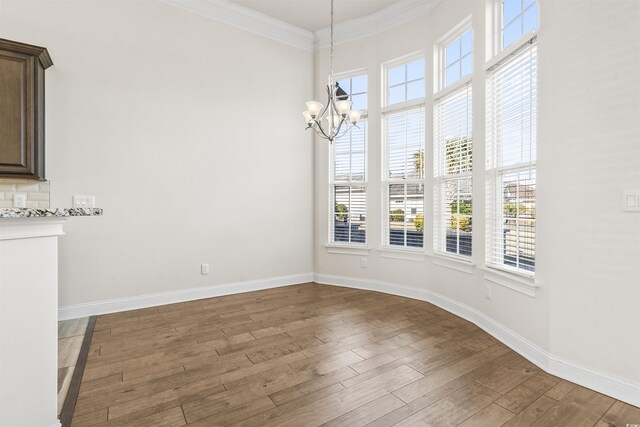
[[38, 192]]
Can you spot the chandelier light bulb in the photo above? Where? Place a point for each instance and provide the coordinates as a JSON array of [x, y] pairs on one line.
[[354, 116], [307, 117], [314, 108], [343, 107]]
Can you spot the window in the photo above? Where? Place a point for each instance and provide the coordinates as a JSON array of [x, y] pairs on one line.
[[349, 172], [511, 161], [518, 18], [453, 167], [404, 154], [405, 82], [457, 58], [404, 136]]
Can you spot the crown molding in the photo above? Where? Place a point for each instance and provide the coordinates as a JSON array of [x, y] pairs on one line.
[[275, 29], [398, 13], [249, 20]]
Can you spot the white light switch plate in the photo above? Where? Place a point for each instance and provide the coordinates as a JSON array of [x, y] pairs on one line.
[[20, 200], [84, 201], [631, 201]]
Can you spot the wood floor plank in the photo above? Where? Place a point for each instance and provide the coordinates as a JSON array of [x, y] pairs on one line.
[[368, 412], [449, 373], [237, 414], [531, 414], [560, 390], [580, 407], [621, 414], [508, 377], [382, 359], [165, 418], [491, 416], [527, 392], [284, 409], [297, 391], [455, 408], [431, 397], [327, 364], [308, 355], [90, 419], [335, 405]]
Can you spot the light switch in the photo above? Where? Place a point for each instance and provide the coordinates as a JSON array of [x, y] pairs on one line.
[[631, 201]]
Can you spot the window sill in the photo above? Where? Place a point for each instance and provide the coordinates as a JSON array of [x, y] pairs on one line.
[[524, 285], [402, 253], [453, 263], [333, 248]]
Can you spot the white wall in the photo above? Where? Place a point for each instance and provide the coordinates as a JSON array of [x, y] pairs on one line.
[[187, 131], [593, 152], [588, 250]]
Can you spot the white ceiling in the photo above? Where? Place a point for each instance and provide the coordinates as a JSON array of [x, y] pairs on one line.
[[313, 15]]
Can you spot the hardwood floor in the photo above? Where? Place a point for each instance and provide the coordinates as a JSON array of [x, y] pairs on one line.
[[310, 355]]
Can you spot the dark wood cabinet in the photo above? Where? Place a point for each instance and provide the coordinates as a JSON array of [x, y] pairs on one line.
[[22, 109]]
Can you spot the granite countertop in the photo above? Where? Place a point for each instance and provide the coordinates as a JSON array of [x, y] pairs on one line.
[[41, 213]]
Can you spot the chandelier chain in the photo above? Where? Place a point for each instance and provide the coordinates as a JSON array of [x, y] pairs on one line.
[[331, 57]]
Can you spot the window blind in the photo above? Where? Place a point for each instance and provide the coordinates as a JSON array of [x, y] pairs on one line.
[[404, 172], [349, 178], [453, 168], [511, 161]]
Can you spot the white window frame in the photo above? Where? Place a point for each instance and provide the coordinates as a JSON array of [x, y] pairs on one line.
[[385, 92], [496, 52], [501, 24], [441, 178], [442, 93], [493, 173], [386, 182], [332, 243], [440, 63]]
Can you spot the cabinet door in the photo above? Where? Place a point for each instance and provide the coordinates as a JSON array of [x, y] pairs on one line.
[[17, 115]]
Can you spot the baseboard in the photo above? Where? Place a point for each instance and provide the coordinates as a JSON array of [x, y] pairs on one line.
[[621, 389], [172, 297]]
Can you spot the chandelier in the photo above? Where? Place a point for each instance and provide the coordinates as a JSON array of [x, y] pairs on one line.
[[336, 118]]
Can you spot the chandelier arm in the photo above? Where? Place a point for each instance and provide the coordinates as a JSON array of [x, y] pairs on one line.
[[339, 126], [323, 112], [320, 131], [346, 131], [325, 136]]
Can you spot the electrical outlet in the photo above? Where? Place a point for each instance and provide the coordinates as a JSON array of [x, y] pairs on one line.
[[20, 200], [487, 291], [364, 262], [204, 269], [84, 201]]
